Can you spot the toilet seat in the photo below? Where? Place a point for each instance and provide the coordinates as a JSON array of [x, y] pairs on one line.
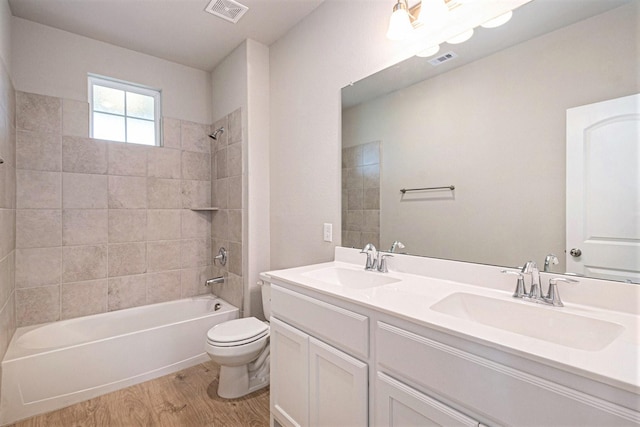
[[237, 332]]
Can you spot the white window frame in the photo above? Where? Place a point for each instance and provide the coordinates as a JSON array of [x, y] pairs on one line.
[[122, 85]]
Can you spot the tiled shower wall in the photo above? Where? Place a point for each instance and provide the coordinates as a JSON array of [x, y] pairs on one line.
[[100, 225], [361, 195], [7, 209], [228, 174]]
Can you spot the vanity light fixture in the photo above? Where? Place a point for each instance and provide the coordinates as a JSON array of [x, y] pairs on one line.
[[400, 25]]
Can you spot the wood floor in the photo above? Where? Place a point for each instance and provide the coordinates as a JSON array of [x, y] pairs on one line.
[[186, 398]]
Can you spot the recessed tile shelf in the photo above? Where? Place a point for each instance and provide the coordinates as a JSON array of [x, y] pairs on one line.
[[205, 209]]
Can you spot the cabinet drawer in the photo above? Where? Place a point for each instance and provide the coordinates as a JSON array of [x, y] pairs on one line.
[[487, 388], [345, 329]]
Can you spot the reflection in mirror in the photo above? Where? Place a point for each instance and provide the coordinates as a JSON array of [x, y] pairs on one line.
[[492, 123]]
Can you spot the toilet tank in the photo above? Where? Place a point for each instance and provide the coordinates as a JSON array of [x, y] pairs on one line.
[[266, 299]]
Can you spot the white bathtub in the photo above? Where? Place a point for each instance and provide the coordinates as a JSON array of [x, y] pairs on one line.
[[54, 365]]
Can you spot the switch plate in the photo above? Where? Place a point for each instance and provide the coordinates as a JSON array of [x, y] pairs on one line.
[[327, 232]]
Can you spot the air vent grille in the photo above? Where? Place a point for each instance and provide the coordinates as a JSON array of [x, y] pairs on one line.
[[229, 10], [445, 57]]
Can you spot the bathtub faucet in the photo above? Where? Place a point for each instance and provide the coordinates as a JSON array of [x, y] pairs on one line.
[[214, 281]]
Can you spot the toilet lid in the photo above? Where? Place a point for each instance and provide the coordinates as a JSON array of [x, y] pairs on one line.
[[233, 331]]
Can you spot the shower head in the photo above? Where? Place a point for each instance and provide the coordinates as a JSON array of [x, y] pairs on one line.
[[215, 134]]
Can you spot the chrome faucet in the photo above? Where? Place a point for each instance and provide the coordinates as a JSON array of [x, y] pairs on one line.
[[550, 259], [396, 244], [535, 293], [372, 260], [531, 268]]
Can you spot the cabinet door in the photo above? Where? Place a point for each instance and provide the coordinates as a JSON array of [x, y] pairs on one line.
[[289, 375], [338, 387], [398, 405]]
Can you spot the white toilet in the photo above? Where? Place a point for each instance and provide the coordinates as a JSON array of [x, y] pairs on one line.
[[241, 348]]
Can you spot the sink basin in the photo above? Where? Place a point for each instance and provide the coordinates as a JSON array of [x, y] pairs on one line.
[[544, 323], [349, 278]]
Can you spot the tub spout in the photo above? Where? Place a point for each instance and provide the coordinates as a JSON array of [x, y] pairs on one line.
[[214, 281]]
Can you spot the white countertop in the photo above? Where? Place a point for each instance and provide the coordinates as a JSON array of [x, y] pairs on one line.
[[617, 364]]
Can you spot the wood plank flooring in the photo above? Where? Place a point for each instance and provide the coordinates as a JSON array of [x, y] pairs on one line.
[[186, 398]]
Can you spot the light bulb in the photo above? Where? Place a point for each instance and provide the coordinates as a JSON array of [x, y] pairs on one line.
[[434, 14], [399, 24]]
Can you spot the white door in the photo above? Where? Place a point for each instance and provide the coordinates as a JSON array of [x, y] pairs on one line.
[[289, 375], [603, 189], [338, 391]]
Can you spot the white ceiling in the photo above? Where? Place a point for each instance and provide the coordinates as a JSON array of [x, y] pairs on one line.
[[176, 30]]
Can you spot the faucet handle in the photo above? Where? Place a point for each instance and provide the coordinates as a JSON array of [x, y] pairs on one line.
[[553, 297], [520, 291], [382, 262]]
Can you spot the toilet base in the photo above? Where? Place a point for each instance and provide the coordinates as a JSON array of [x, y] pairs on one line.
[[235, 382]]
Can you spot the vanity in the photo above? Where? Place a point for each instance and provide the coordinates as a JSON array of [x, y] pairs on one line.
[[436, 342]]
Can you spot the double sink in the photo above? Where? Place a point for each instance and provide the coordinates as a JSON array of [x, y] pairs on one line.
[[551, 324]]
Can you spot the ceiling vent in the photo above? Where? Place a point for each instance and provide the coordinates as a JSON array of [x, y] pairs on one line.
[[229, 10], [443, 58]]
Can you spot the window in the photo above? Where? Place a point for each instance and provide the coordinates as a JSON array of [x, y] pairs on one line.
[[124, 112]]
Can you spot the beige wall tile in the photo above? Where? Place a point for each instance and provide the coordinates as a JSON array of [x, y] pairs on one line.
[[38, 113], [127, 192], [352, 157], [81, 263], [163, 286], [235, 192], [75, 118], [83, 298], [126, 159], [7, 281], [84, 226], [163, 255], [355, 199], [220, 193], [126, 259], [235, 126], [7, 324], [196, 166], [196, 253], [232, 290], [39, 151], [171, 136], [127, 291], [371, 198], [235, 258], [38, 190], [221, 163], [192, 281], [220, 225], [37, 305], [164, 193], [195, 137], [38, 267], [84, 155], [371, 153], [370, 237], [8, 230], [163, 224], [371, 221], [196, 194], [164, 163], [8, 187], [234, 159], [235, 225], [195, 224], [84, 191], [38, 228], [371, 176], [127, 225]]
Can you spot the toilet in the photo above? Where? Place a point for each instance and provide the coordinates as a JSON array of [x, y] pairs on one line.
[[241, 348]]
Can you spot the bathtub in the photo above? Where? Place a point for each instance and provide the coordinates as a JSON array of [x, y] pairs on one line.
[[54, 365]]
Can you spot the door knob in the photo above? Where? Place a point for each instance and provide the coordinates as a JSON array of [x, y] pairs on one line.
[[575, 252]]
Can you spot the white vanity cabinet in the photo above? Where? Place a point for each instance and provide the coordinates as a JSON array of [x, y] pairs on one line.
[[314, 382]]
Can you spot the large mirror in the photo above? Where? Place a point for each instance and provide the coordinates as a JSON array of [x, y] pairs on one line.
[[486, 134]]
